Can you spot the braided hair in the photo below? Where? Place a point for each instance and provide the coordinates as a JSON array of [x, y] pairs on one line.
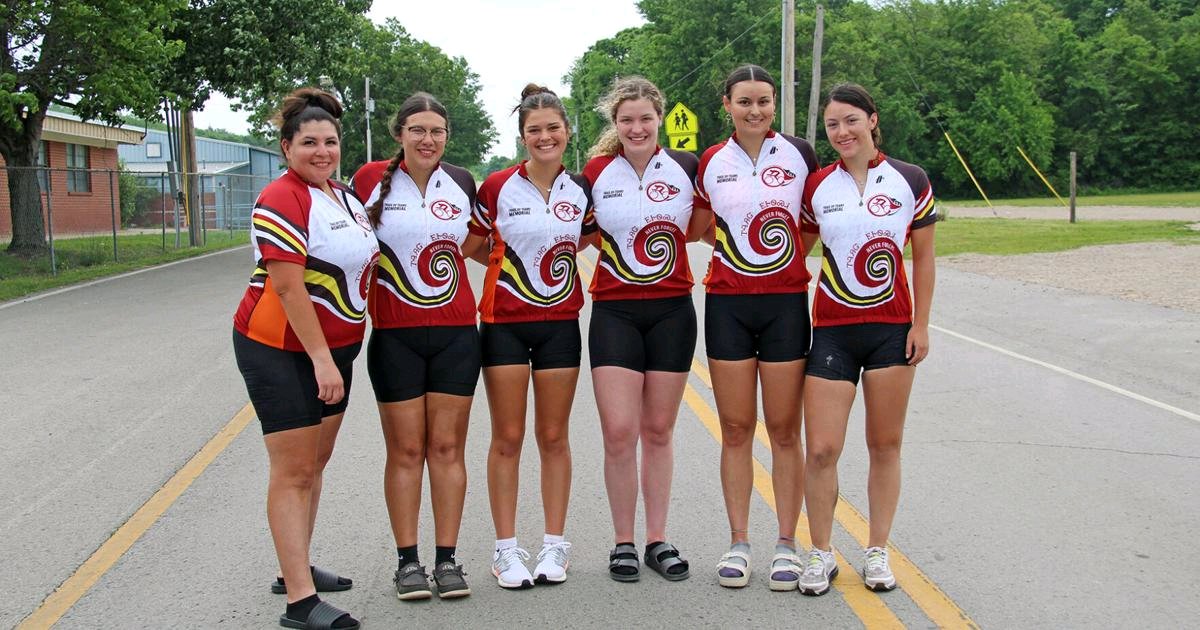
[[418, 102]]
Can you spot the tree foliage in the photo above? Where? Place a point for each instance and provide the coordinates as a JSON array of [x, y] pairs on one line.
[[1114, 80]]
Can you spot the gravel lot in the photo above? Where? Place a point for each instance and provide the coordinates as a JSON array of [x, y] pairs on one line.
[[1153, 273]]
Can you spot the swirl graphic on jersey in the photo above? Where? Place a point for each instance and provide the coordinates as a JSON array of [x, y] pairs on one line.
[[654, 246], [327, 286], [556, 271], [437, 267], [770, 233], [874, 265]]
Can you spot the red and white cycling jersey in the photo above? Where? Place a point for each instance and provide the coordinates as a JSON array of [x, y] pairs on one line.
[[756, 207], [643, 224], [863, 236], [532, 274], [295, 222], [421, 279]]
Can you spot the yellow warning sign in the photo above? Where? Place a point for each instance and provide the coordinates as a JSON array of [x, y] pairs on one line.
[[682, 143], [681, 121]]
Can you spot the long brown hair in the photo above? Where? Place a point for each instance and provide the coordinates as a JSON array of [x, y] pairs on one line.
[[623, 89]]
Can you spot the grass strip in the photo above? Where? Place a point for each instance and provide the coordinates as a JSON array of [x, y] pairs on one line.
[[1027, 236], [1171, 199]]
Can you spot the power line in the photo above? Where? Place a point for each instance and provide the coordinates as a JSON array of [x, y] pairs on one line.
[[722, 49]]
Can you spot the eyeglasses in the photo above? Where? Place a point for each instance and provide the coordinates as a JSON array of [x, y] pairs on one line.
[[418, 133]]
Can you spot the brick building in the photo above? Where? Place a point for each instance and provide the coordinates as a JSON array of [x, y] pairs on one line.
[[81, 191]]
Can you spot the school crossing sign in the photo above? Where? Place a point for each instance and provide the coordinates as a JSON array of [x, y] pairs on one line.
[[682, 128]]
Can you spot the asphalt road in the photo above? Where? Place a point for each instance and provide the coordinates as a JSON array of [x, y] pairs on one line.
[[1033, 497]]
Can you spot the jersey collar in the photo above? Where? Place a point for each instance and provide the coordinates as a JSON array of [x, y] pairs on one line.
[[770, 134], [523, 172], [873, 163], [404, 166]]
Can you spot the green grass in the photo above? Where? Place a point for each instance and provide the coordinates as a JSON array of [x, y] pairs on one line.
[[1026, 236], [91, 257], [1172, 199]]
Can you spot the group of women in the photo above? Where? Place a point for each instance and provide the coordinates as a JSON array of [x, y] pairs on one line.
[[325, 259]]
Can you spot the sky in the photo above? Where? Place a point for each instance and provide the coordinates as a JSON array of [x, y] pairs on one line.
[[508, 44]]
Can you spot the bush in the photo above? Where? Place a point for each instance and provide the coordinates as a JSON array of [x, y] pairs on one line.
[[135, 197]]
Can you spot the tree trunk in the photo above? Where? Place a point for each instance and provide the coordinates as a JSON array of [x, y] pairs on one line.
[[29, 230]]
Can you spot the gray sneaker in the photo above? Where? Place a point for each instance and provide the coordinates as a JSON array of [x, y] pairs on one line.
[[449, 578], [876, 573], [412, 582], [819, 570]]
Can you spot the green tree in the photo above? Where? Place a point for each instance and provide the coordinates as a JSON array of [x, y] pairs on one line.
[[97, 58]]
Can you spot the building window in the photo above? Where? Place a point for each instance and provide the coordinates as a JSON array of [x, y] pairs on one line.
[[77, 158], [153, 149], [43, 161]]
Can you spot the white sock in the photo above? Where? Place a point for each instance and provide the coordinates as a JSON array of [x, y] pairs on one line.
[[505, 543], [551, 539]]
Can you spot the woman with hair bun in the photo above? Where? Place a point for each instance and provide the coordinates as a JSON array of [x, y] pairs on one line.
[[423, 356], [534, 214], [643, 326], [756, 328], [296, 333]]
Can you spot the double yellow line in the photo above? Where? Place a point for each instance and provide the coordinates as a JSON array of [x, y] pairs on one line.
[[866, 604]]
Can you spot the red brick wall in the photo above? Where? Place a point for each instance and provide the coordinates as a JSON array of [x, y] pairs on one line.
[[74, 213]]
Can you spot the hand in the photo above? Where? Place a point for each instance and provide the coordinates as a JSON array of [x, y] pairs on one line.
[[330, 388], [916, 348]]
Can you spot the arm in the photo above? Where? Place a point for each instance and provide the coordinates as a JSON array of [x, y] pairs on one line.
[[807, 240], [477, 248], [700, 225], [288, 281], [922, 283]]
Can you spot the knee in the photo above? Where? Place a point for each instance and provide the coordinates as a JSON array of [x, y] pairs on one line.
[[406, 453], [822, 456], [620, 442], [658, 434], [553, 442], [786, 436], [444, 450], [507, 443], [737, 433], [295, 475], [884, 449]]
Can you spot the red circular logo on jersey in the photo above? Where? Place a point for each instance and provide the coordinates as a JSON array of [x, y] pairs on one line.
[[567, 211], [362, 220], [776, 176], [661, 191], [364, 275], [444, 210], [882, 205]]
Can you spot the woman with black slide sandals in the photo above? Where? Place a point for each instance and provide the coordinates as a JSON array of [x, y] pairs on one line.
[[643, 327]]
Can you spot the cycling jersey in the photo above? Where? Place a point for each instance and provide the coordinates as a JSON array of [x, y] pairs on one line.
[[296, 222], [756, 208], [643, 224], [421, 279], [531, 272], [863, 236]]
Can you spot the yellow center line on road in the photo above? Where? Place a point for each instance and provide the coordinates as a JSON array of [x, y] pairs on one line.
[[865, 604], [935, 603], [75, 587]]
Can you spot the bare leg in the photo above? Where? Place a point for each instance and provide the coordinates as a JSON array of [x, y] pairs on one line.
[[293, 474], [553, 394], [660, 408], [734, 387], [403, 425], [618, 394], [507, 388], [782, 390], [826, 412], [885, 392], [445, 444]]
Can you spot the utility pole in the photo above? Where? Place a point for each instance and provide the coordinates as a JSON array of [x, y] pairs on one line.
[[814, 94], [370, 109], [788, 71]]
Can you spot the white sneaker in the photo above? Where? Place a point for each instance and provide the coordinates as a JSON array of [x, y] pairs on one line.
[[877, 574], [819, 570], [553, 560], [508, 565]]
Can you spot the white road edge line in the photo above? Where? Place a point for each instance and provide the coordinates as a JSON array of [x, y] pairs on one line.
[[34, 298], [1075, 375]]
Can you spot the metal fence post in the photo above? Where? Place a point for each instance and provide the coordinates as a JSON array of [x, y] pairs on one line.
[[162, 207], [112, 204], [50, 220]]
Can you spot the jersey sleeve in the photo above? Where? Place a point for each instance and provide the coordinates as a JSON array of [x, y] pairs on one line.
[[806, 151], [924, 206], [589, 211], [701, 201], [465, 181], [367, 178], [483, 213], [687, 161], [279, 223], [808, 218]]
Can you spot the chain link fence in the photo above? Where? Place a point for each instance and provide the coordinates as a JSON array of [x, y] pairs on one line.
[[112, 213]]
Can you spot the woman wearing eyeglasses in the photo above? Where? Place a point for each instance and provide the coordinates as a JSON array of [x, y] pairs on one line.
[[423, 355]]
